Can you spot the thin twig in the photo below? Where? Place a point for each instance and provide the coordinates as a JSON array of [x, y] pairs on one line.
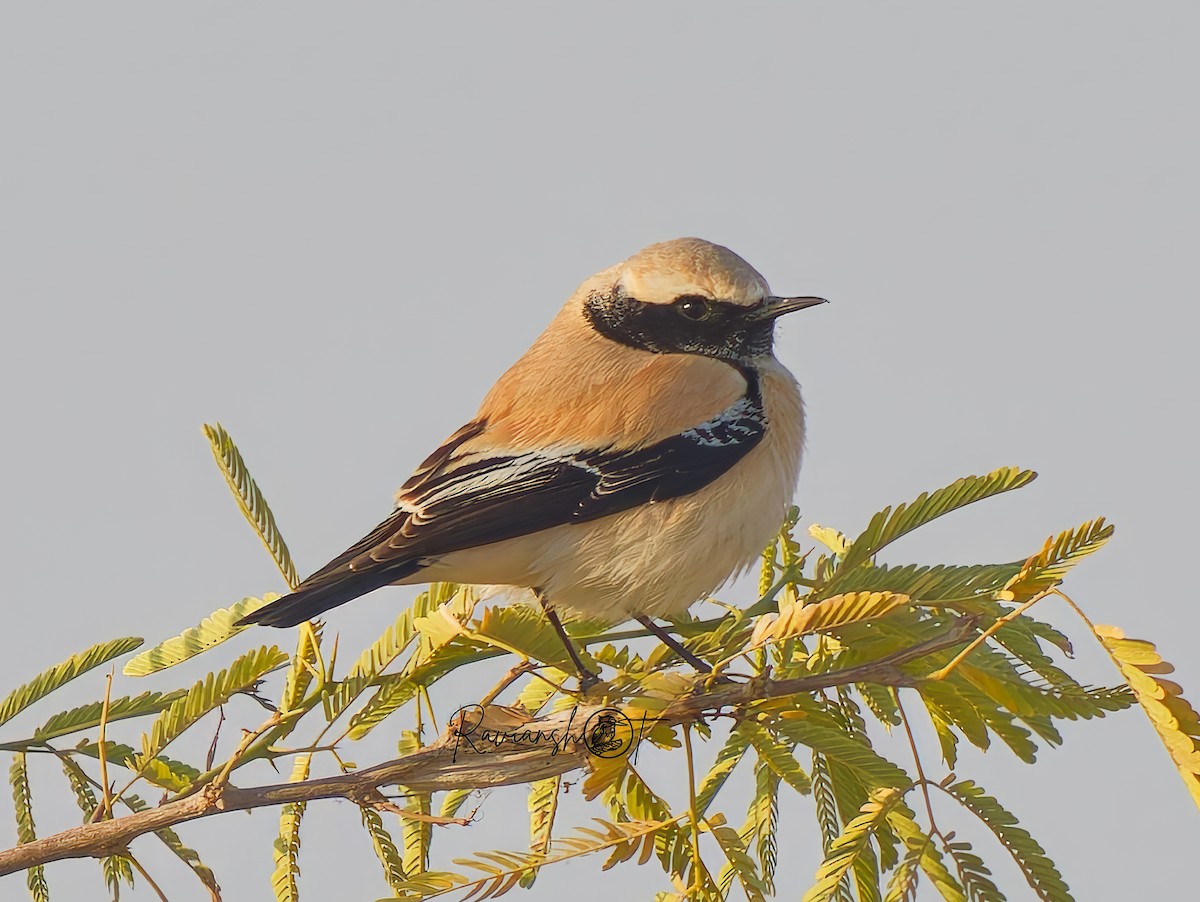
[[1078, 610], [382, 804], [137, 866], [248, 737], [912, 744], [984, 636], [537, 673], [697, 860], [105, 808], [514, 673], [212, 748], [423, 692]]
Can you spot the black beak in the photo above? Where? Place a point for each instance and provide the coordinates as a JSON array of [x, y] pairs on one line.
[[773, 307]]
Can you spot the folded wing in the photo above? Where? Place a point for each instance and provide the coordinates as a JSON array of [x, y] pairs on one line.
[[461, 498]]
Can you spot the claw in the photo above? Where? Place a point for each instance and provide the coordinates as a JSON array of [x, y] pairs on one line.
[[587, 680]]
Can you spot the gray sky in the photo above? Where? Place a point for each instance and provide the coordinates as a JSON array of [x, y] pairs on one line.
[[332, 227]]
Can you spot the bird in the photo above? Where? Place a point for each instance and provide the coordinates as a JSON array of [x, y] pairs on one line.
[[640, 454]]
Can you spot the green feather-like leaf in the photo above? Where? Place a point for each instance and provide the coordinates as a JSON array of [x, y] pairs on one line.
[[925, 583], [928, 858], [853, 841], [250, 499], [537, 691], [640, 801], [117, 870], [188, 856], [973, 874], [287, 845], [1032, 859], [417, 835], [855, 754], [377, 656], [902, 887], [727, 759], [543, 807], [741, 864], [502, 869], [394, 690], [305, 663], [85, 798], [160, 770], [764, 811], [828, 821], [890, 524], [114, 868], [214, 629], [453, 801], [881, 702], [87, 716], [60, 674], [830, 614], [205, 696], [777, 755], [18, 778], [1046, 569], [385, 848], [1175, 720], [430, 884], [526, 632]]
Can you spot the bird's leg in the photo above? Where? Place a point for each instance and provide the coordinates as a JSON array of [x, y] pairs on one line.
[[675, 645], [587, 679]]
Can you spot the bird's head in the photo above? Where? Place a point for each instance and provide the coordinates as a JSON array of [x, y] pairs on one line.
[[687, 296]]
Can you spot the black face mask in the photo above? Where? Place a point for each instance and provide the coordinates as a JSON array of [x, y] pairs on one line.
[[688, 325]]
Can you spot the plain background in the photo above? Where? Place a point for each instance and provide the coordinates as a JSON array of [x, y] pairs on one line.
[[331, 227]]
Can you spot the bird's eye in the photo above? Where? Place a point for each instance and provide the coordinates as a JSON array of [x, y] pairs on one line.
[[694, 308]]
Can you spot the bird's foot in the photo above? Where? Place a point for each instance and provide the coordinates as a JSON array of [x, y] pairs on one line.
[[707, 681], [587, 680]]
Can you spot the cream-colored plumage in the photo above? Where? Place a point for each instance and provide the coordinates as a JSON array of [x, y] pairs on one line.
[[639, 454], [659, 558], [576, 389]]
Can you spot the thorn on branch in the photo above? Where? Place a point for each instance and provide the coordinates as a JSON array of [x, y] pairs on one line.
[[252, 692], [212, 748]]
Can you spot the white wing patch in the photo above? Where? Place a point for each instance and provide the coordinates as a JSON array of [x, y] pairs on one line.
[[737, 423], [586, 482], [480, 475]]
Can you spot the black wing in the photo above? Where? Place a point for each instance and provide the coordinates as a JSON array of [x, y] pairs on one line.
[[458, 502]]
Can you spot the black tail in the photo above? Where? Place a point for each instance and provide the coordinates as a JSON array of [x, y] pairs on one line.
[[334, 589]]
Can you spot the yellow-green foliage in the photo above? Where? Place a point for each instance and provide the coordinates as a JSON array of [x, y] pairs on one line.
[[250, 499], [214, 629], [18, 778], [61, 674], [1173, 717], [822, 607], [287, 845]]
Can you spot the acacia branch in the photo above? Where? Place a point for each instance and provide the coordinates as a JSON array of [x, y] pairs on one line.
[[552, 746]]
